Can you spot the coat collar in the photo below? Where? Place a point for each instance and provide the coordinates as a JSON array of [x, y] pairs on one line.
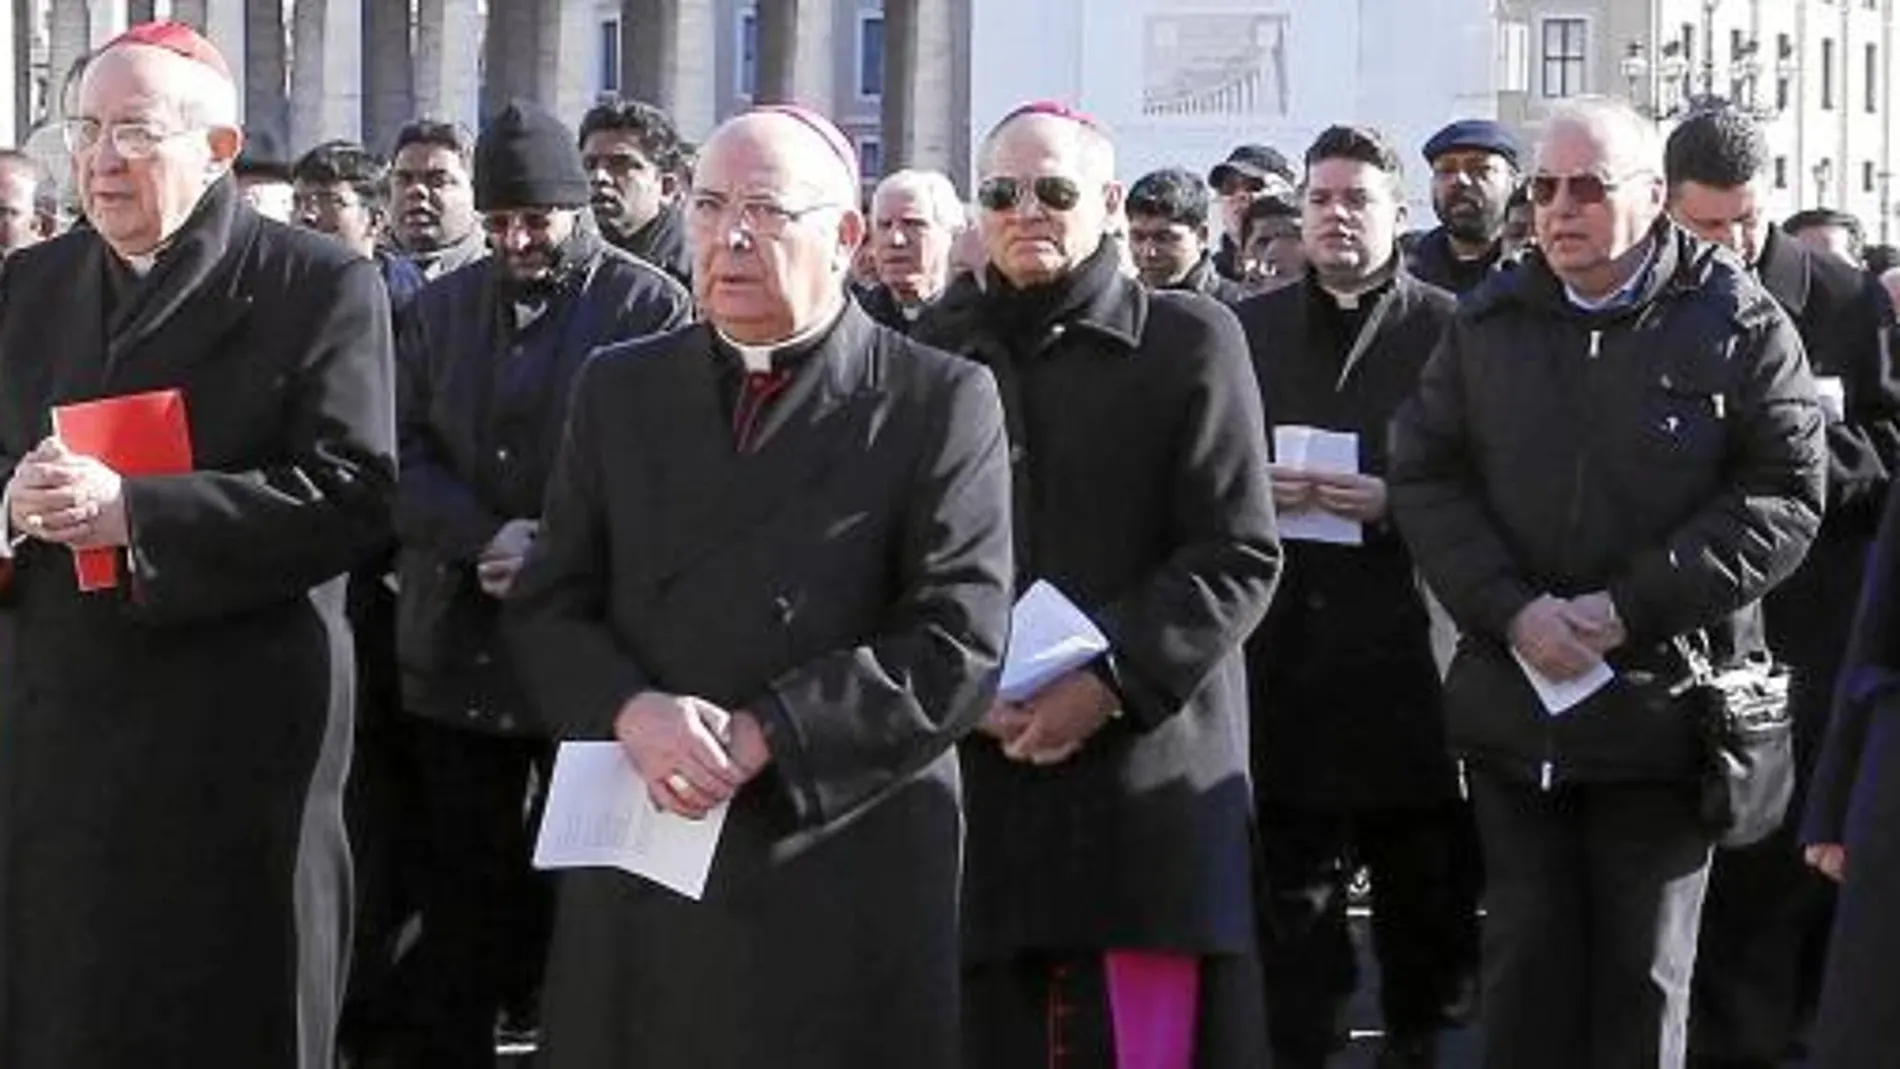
[[1785, 271], [193, 292]]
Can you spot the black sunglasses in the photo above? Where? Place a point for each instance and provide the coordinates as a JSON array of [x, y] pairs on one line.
[[1585, 188], [1001, 193]]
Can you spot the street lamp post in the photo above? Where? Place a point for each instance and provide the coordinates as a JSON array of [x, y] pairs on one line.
[[1745, 71]]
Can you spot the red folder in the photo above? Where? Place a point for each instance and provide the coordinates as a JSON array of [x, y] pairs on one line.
[[138, 434]]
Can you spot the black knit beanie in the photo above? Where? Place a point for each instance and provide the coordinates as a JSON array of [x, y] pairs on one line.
[[525, 158]]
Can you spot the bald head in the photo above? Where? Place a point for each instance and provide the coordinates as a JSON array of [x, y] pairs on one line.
[[1087, 146], [793, 146], [1048, 190], [773, 223]]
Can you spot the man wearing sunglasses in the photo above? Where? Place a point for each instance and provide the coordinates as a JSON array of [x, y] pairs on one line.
[[1616, 450], [1765, 923], [1248, 174], [775, 570], [174, 743], [486, 360], [1109, 882]]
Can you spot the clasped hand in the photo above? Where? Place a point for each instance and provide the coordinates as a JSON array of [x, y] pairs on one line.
[[1355, 497], [1563, 639], [58, 496], [692, 754], [1054, 723]]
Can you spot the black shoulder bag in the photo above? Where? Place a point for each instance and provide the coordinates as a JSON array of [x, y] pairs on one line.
[[1747, 731]]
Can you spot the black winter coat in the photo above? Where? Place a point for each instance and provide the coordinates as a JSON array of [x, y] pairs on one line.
[[173, 874], [1140, 484], [1669, 452], [1346, 710], [481, 407]]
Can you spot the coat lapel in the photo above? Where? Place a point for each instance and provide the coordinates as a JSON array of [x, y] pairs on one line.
[[712, 494], [194, 298]]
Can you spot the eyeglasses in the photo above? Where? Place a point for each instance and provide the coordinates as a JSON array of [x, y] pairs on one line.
[[706, 211], [131, 140], [1586, 188], [323, 201], [539, 221], [1003, 192]]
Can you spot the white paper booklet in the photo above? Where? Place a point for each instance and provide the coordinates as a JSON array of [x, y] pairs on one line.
[[1561, 697], [1048, 636], [599, 816], [1312, 449]]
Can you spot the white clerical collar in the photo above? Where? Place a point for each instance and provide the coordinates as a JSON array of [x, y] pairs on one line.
[[758, 358], [141, 264]]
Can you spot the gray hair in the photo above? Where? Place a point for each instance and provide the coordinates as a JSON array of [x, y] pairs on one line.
[[1630, 142], [932, 189]]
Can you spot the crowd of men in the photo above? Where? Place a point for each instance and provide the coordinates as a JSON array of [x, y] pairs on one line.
[[591, 434]]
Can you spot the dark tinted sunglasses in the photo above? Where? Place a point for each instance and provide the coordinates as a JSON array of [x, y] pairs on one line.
[[1584, 188], [1001, 193]]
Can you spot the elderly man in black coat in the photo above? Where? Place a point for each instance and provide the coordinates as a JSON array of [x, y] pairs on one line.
[[1615, 452], [1110, 883], [1348, 735], [1765, 923], [774, 566], [173, 875], [486, 364]]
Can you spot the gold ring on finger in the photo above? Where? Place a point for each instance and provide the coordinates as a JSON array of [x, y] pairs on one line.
[[679, 783]]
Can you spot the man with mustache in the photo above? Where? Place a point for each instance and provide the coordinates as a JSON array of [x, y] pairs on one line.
[[915, 219], [632, 154], [432, 198], [1348, 732], [1474, 170], [485, 360]]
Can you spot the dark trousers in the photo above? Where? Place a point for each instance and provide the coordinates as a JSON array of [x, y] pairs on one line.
[[1592, 901], [1308, 856], [485, 912]]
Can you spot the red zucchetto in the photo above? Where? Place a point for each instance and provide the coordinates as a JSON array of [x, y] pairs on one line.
[[178, 39]]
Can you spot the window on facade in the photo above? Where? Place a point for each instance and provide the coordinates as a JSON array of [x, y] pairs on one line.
[[1871, 91], [1869, 178], [870, 159], [1783, 84], [748, 53], [1565, 56], [870, 55], [1827, 74], [1781, 172], [609, 80]]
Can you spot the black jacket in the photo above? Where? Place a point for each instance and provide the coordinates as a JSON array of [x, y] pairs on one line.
[[1670, 452], [1432, 259], [1843, 318], [1346, 709], [662, 243], [480, 408], [1140, 489], [1205, 279]]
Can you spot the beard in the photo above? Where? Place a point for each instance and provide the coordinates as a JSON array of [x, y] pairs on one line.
[[1471, 219]]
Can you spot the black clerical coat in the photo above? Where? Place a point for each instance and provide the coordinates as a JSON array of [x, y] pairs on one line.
[[173, 753], [848, 581]]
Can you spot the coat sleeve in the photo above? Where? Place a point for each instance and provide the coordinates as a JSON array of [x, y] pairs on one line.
[[1753, 533], [217, 543], [1864, 449], [848, 725], [1438, 498], [569, 660], [435, 508], [1869, 674], [1170, 631]]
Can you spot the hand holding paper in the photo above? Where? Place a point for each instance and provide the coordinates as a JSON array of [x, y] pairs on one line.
[[599, 815], [1337, 499], [1048, 637]]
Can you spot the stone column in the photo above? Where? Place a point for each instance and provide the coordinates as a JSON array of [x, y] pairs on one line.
[[15, 119], [650, 51], [695, 68], [568, 44], [511, 52], [448, 60], [389, 71], [897, 99], [815, 58], [774, 79], [325, 89], [69, 37]]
